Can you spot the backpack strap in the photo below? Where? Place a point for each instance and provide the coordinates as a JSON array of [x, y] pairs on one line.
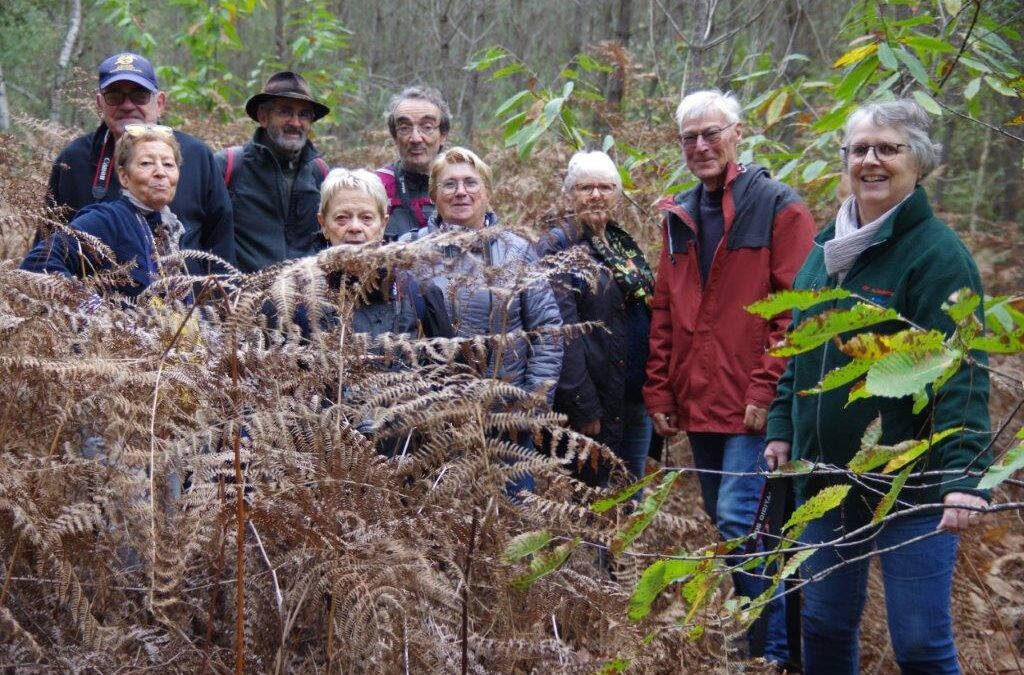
[[322, 165], [229, 167]]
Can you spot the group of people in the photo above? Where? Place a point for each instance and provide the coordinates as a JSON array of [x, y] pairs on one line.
[[675, 350]]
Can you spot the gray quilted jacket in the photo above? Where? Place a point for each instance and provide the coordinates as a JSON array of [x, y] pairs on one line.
[[472, 280]]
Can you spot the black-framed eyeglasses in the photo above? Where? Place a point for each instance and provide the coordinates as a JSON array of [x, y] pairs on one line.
[[405, 129], [711, 136], [884, 151], [136, 96], [287, 112], [470, 185]]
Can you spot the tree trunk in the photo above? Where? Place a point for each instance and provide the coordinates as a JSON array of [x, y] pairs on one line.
[[979, 183], [5, 111], [700, 36], [623, 27], [472, 88], [279, 39], [64, 60]]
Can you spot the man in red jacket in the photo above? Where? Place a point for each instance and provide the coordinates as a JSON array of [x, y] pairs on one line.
[[731, 240]]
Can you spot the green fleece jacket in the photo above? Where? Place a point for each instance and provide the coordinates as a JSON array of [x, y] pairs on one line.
[[913, 265]]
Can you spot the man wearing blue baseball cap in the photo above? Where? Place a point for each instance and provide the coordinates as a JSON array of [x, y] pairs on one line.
[[83, 172]]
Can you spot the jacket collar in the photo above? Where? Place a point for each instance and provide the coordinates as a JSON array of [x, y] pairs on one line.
[[913, 211]]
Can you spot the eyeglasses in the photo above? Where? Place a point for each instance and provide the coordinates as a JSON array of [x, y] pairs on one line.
[[470, 185], [134, 130], [287, 112], [136, 96], [710, 136], [587, 188], [405, 129], [884, 152]]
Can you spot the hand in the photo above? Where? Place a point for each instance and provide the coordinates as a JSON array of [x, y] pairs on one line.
[[776, 453], [665, 424], [755, 418], [960, 519], [591, 428]]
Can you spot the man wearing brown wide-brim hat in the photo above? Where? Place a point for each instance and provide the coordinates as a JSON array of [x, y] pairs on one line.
[[274, 179]]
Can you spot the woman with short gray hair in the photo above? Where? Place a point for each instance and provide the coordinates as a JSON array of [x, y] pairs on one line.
[[603, 371], [887, 245]]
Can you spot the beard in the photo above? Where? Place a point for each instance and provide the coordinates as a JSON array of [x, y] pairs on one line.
[[287, 145]]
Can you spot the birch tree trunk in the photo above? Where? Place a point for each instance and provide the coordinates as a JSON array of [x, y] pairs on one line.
[[5, 111], [64, 60]]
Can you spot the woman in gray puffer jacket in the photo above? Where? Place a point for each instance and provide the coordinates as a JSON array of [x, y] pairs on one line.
[[479, 279]]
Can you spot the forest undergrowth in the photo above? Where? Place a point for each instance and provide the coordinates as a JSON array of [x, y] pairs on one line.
[[126, 545]]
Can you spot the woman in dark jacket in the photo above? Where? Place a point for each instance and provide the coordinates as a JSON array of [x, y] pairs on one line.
[[139, 228], [603, 371]]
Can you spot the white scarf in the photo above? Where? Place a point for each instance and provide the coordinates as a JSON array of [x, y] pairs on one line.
[[851, 237]]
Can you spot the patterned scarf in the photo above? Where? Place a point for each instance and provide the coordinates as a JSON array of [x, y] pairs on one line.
[[164, 225], [626, 261]]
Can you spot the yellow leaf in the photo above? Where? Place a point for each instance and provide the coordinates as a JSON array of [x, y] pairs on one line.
[[855, 55], [1019, 119]]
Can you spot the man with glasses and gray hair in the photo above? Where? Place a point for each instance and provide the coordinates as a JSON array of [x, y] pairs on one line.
[[84, 172], [730, 240], [274, 179], [419, 121]]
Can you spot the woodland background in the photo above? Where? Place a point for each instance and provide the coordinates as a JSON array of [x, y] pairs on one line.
[[414, 578]]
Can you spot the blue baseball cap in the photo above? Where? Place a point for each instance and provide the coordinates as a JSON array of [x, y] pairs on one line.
[[128, 67]]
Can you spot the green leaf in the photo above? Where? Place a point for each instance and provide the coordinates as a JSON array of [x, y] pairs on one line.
[[656, 578], [639, 521], [974, 64], [545, 564], [840, 376], [921, 399], [602, 505], [485, 59], [886, 503], [512, 101], [964, 304], [918, 448], [817, 506], [813, 170], [835, 118], [784, 301], [1000, 87], [928, 44], [886, 57], [1011, 462], [855, 79], [821, 328], [971, 90], [901, 374], [615, 666], [505, 71], [567, 89], [525, 544], [915, 67], [1009, 343], [928, 103], [777, 106]]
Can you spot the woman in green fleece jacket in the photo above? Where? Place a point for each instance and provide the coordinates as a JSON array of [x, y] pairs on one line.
[[885, 244]]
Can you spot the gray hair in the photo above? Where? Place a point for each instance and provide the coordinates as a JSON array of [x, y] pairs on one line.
[[358, 179], [699, 103], [418, 93], [904, 115], [591, 163]]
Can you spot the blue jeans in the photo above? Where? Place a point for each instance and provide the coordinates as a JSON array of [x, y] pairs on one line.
[[636, 438], [731, 502], [918, 582]]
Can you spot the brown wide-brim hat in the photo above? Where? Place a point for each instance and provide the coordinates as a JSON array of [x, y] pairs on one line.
[[285, 84]]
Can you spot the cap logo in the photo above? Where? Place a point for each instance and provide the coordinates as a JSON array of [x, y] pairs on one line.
[[125, 62]]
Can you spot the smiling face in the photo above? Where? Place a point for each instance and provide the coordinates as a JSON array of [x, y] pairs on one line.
[[126, 110], [462, 197], [708, 160], [287, 122], [151, 175], [878, 186], [418, 134], [352, 217]]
